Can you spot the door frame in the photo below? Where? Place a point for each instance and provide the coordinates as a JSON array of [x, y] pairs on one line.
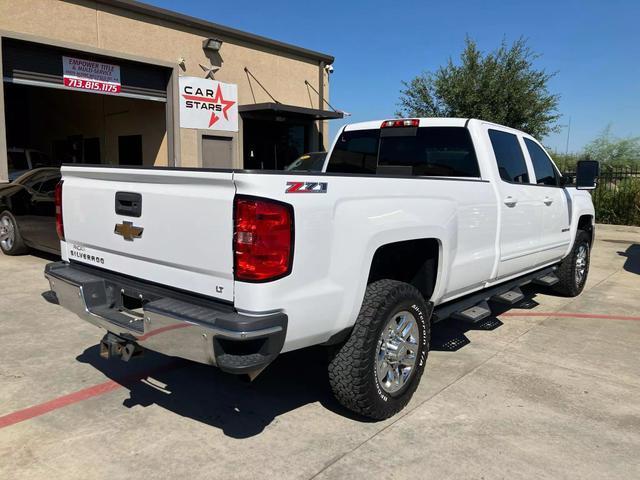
[[523, 188], [172, 106], [234, 136], [306, 124], [549, 250]]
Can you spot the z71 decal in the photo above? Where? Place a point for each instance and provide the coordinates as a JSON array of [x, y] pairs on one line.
[[306, 187]]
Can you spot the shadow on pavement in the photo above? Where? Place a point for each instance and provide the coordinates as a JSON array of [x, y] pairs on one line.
[[633, 258], [44, 255], [450, 334], [242, 409], [205, 394]]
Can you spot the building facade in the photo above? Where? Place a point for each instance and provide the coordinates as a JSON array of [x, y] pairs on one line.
[[120, 82]]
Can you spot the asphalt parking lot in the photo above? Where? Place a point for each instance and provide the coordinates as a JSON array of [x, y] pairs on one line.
[[549, 390]]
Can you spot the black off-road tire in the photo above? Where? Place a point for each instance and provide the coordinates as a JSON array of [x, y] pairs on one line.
[[569, 286], [352, 371], [18, 247]]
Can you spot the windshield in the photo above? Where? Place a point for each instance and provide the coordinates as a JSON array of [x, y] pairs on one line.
[[407, 151], [17, 161], [39, 159], [311, 162]]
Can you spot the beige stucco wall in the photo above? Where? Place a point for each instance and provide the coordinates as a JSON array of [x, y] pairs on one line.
[[98, 26]]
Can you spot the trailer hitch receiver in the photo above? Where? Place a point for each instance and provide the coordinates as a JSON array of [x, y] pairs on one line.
[[113, 346]]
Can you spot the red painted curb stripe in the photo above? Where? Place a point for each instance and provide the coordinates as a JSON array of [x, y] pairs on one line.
[[75, 397], [80, 395], [568, 315]]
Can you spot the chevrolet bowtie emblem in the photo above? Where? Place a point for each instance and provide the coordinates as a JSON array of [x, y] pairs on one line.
[[128, 230]]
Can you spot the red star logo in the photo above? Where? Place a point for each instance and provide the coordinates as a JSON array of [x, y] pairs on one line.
[[217, 99]]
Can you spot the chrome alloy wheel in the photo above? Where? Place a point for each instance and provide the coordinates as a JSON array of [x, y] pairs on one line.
[[7, 233], [397, 351], [581, 263]]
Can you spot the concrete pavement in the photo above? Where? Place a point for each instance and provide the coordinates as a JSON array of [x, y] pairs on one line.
[[548, 391]]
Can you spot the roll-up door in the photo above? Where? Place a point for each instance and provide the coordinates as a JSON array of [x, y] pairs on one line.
[[41, 65]]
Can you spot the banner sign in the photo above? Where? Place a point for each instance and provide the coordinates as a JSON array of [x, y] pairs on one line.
[[208, 104], [90, 75]]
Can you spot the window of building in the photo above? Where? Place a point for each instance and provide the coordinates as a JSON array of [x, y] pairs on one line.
[[511, 164], [17, 161], [130, 150], [91, 150], [545, 173]]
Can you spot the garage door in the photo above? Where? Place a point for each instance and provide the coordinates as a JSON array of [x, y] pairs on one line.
[[42, 65]]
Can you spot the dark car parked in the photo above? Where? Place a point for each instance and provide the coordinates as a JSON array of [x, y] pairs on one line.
[[28, 212]]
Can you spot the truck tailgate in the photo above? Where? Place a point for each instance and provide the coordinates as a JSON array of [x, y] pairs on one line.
[[186, 217]]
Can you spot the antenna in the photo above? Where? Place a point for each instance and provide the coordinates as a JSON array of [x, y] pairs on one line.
[[566, 151]]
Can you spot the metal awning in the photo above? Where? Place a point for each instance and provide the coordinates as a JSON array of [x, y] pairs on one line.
[[271, 109]]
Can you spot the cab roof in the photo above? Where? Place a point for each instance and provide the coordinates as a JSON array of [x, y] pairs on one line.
[[424, 122]]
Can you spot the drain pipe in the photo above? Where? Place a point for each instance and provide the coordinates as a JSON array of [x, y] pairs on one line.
[[321, 105]]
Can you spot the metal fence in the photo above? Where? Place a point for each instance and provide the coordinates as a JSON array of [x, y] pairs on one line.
[[617, 197]]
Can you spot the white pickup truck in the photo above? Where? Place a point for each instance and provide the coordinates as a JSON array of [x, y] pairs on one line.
[[411, 221]]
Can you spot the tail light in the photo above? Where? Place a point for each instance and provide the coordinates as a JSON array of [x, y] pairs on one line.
[[407, 122], [58, 200], [263, 239]]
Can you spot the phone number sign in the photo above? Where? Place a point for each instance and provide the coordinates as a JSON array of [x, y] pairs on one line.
[[89, 75]]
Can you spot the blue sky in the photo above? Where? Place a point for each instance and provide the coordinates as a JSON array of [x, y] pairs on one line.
[[593, 45]]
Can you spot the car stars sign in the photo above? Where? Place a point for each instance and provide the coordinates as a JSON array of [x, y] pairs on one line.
[[208, 104]]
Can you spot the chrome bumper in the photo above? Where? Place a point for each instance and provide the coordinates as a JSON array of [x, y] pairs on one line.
[[169, 322]]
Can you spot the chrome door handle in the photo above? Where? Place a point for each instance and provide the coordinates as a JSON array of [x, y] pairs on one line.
[[510, 201], [548, 201]]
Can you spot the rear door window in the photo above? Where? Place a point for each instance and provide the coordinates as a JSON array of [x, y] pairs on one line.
[[545, 173], [509, 157], [48, 184], [408, 151], [32, 179]]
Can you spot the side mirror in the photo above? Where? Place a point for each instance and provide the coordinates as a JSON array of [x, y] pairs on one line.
[[587, 173]]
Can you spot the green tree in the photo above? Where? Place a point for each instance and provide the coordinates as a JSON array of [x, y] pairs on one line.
[[566, 162], [613, 151], [501, 86]]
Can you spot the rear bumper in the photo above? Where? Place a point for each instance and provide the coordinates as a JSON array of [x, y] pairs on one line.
[[169, 322]]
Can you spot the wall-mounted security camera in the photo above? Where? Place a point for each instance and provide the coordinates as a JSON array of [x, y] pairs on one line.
[[329, 69]]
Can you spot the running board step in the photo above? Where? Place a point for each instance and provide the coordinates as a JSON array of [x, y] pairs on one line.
[[474, 314], [547, 280], [509, 298]]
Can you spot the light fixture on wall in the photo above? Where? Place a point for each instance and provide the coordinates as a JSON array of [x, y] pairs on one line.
[[212, 44]]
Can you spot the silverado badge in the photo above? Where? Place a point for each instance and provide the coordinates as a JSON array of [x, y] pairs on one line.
[[128, 230]]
